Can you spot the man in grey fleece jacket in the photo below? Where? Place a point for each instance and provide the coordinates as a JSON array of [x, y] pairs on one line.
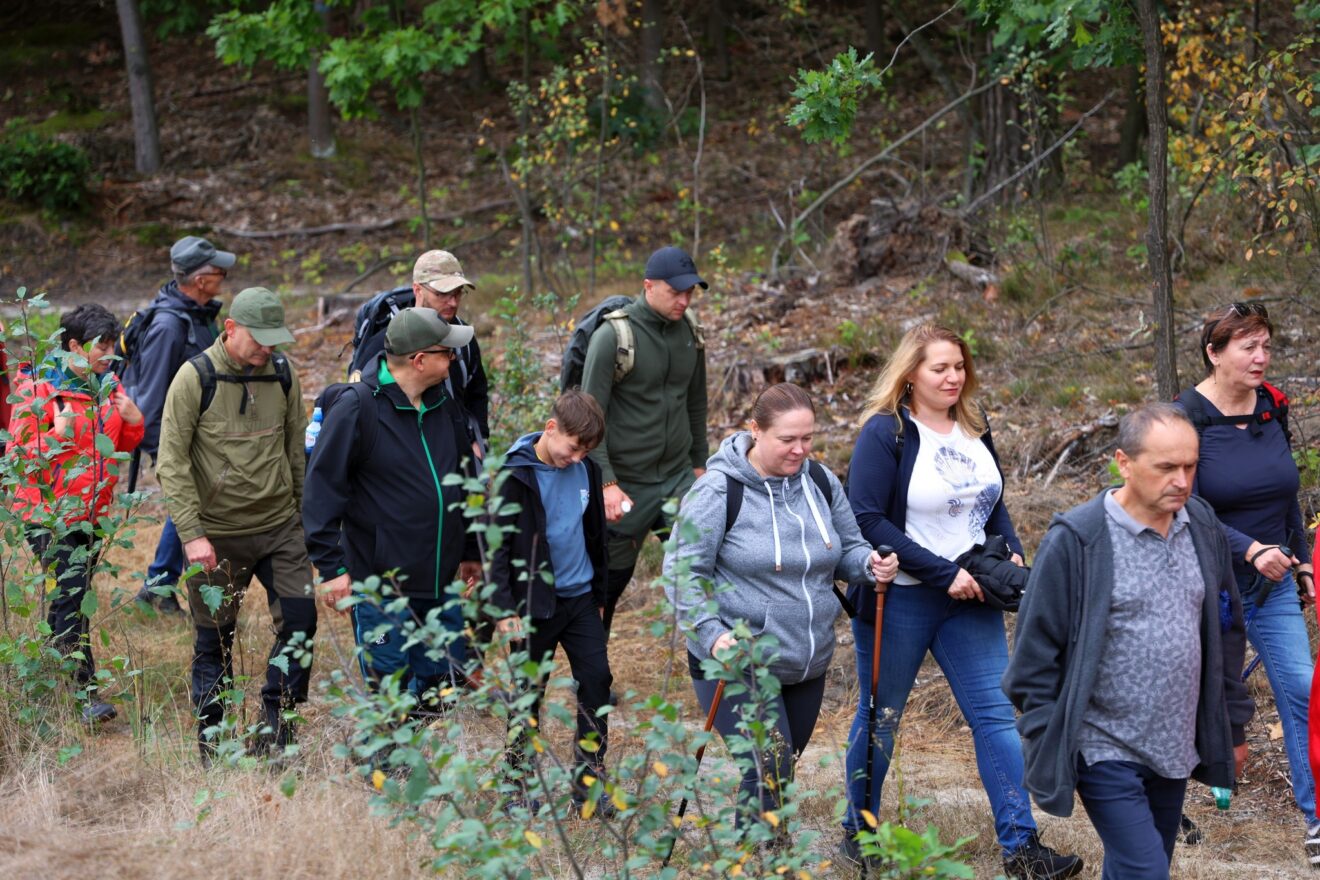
[[1128, 651]]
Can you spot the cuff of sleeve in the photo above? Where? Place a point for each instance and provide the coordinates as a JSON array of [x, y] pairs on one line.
[[707, 633], [189, 531], [1239, 734]]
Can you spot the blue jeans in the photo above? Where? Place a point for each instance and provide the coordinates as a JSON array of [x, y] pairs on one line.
[[967, 640], [1278, 633], [383, 635], [165, 569], [1136, 813]]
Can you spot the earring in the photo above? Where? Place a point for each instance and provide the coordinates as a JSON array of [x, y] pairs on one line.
[[907, 389]]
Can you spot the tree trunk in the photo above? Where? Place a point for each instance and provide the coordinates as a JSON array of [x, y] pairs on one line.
[[320, 133], [1134, 119], [874, 19], [479, 77], [146, 137], [717, 28], [1157, 168], [650, 43]]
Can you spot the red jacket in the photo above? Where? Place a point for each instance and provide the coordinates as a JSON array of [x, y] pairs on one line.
[[55, 430]]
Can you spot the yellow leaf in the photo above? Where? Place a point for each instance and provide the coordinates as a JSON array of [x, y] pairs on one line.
[[660, 769], [588, 808], [771, 817], [588, 780], [869, 818], [378, 780], [678, 823], [533, 838], [735, 871], [619, 801]]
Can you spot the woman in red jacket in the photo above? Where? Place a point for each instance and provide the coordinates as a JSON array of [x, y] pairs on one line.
[[65, 404]]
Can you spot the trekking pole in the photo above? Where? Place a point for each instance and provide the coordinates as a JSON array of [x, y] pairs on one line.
[[134, 466], [880, 589], [701, 752]]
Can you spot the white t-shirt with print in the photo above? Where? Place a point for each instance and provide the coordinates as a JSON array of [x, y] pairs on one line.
[[954, 486]]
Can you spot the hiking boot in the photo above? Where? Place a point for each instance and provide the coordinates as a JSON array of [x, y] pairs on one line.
[[851, 851], [145, 596], [1313, 844], [1036, 861], [1188, 832], [605, 808], [97, 712], [170, 605]]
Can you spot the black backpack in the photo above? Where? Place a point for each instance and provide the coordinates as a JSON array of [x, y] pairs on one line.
[[373, 316], [367, 427], [733, 499], [611, 309], [206, 372], [135, 330], [1277, 411]]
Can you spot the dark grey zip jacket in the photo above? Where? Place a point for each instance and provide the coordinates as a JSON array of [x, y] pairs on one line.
[[1060, 638]]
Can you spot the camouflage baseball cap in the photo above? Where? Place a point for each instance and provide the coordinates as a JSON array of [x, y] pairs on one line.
[[260, 311], [417, 329], [441, 271]]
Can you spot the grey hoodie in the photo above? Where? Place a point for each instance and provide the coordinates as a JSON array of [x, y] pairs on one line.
[[781, 557]]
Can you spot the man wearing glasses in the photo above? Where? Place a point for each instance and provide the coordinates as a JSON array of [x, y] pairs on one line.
[[376, 501], [182, 324]]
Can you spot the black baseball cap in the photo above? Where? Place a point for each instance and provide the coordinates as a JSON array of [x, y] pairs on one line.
[[673, 266]]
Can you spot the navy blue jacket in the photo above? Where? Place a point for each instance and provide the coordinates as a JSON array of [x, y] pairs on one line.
[[369, 511], [527, 547], [878, 489], [181, 329]]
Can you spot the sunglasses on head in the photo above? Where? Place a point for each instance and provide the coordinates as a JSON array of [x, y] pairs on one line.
[[1247, 309]]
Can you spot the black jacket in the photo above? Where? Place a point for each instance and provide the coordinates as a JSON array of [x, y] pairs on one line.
[[388, 499], [526, 547]]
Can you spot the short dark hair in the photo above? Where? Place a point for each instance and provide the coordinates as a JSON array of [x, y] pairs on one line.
[[1236, 319], [1134, 427], [578, 415], [88, 322], [776, 400]]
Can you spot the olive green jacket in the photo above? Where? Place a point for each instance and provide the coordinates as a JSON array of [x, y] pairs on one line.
[[237, 469], [655, 417]]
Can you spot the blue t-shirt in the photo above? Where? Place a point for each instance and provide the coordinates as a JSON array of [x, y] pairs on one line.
[[1248, 475], [565, 493]]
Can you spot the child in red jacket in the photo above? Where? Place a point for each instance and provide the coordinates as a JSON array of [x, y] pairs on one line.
[[65, 404]]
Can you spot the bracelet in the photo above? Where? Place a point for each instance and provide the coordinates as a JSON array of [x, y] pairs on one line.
[[608, 484], [1261, 552]]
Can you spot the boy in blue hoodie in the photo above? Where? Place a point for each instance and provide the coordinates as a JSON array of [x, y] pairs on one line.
[[552, 568]]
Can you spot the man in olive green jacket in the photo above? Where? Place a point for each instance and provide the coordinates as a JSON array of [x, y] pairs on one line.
[[655, 416], [231, 467]]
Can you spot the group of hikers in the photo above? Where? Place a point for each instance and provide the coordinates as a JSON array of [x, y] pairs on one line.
[[1127, 674]]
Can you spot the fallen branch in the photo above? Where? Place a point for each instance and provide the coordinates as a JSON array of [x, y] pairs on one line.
[[995, 190], [359, 227]]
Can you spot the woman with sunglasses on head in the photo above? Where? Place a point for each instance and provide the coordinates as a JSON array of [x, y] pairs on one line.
[[1247, 473], [925, 480]]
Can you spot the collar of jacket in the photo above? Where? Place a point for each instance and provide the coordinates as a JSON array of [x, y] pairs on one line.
[[226, 364], [209, 311], [641, 311], [432, 398]]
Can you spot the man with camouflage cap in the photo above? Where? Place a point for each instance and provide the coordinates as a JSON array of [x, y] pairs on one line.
[[178, 324], [377, 500], [231, 467]]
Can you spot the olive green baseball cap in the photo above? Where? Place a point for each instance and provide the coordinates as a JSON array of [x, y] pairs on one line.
[[417, 329], [441, 271], [260, 311]]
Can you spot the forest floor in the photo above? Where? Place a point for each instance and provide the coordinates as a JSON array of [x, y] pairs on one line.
[[1061, 346]]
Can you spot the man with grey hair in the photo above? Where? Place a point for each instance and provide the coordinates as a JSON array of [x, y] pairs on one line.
[[1128, 651], [179, 324]]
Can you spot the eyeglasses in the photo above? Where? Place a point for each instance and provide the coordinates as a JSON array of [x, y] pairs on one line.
[[1247, 309], [451, 353], [456, 294]]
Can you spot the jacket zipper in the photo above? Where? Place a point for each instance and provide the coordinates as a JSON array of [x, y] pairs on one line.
[[440, 499]]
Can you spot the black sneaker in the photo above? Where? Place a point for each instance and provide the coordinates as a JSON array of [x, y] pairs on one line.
[[1036, 861], [97, 712], [1188, 833], [170, 605]]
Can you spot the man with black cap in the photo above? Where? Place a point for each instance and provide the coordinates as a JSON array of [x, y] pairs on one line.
[[231, 466], [655, 413], [178, 324], [377, 500]]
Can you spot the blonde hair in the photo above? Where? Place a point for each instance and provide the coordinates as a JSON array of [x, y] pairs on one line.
[[891, 389]]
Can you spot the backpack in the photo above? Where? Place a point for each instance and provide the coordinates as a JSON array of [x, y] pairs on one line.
[[733, 499], [1194, 404], [206, 372], [367, 428], [611, 309], [374, 315], [135, 330]]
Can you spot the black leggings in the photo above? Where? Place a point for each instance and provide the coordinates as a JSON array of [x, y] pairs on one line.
[[795, 710], [68, 626]]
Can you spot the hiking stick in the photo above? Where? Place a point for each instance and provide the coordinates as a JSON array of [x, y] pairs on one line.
[[880, 589], [701, 752]]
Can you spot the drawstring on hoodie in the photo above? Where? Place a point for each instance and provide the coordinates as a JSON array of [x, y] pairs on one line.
[[774, 525], [815, 513]]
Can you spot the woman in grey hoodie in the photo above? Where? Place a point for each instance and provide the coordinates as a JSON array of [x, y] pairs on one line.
[[770, 562]]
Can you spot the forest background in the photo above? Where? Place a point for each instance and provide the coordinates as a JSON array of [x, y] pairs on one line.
[[839, 171]]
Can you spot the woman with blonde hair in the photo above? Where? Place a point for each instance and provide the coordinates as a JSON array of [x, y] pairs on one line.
[[925, 480]]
